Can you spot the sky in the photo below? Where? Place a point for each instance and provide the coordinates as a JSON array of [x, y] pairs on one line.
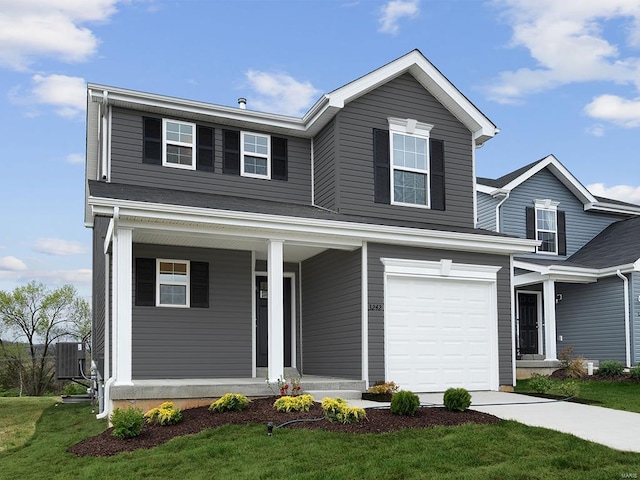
[[557, 77]]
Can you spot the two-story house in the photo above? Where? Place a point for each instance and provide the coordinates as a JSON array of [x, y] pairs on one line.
[[231, 244], [582, 286]]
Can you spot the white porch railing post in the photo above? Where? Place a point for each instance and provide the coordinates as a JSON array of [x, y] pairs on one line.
[[550, 320], [275, 272]]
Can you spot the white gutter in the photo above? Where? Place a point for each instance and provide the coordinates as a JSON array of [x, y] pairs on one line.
[[627, 330], [506, 196], [107, 344], [313, 176]]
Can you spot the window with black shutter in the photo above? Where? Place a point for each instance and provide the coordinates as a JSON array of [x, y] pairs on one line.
[[381, 166], [204, 150], [199, 285], [546, 223], [179, 283], [279, 158], [436, 152], [146, 282], [152, 141], [231, 152]]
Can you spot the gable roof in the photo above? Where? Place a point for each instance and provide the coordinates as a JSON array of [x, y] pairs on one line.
[[511, 180]]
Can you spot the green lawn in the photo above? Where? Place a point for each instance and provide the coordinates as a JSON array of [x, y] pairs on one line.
[[618, 395], [507, 450], [18, 417]]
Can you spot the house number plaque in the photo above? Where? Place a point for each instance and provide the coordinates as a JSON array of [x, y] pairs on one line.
[[376, 307]]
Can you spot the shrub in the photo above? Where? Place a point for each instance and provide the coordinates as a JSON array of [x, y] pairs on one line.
[[634, 372], [540, 383], [610, 368], [127, 422], [300, 403], [230, 402], [568, 389], [337, 410], [573, 367], [166, 414], [289, 387], [405, 402], [383, 388], [457, 399], [74, 389]]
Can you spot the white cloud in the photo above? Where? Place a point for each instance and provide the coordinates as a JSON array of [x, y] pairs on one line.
[[624, 193], [75, 158], [596, 130], [59, 247], [30, 29], [616, 110], [393, 11], [566, 40], [67, 95], [280, 93], [11, 264]]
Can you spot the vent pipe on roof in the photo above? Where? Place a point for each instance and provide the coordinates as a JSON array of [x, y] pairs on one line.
[[242, 103]]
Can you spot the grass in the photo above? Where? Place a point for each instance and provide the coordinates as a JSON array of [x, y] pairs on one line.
[[507, 450], [617, 395], [18, 417]]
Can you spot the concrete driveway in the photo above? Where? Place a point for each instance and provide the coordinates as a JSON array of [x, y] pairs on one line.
[[613, 428]]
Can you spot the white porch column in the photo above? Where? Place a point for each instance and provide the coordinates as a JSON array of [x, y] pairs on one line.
[[122, 291], [275, 271], [548, 287]]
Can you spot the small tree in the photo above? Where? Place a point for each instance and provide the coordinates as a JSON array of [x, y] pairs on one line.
[[38, 316]]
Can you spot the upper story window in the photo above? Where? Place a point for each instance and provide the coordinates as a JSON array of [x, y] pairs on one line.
[[546, 226], [409, 162], [255, 159], [179, 144], [409, 165], [172, 286]]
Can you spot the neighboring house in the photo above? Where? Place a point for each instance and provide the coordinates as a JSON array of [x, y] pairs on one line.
[[234, 244], [582, 287]]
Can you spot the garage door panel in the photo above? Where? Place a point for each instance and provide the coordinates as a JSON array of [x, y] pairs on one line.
[[444, 333]]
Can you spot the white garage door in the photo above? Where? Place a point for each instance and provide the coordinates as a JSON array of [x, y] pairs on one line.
[[439, 333]]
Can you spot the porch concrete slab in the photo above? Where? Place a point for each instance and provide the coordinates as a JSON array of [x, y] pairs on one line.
[[612, 428]]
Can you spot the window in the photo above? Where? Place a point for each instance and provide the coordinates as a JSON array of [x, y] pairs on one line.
[[179, 144], [172, 283], [255, 158], [409, 162], [547, 226]]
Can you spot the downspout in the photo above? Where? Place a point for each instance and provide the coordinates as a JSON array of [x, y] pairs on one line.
[[627, 330], [104, 107], [313, 177], [506, 196]]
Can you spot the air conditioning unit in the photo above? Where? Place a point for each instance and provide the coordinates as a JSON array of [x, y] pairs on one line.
[[70, 360]]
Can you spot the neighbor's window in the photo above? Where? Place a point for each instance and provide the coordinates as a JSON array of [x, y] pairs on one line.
[[409, 162], [179, 144], [172, 283], [547, 226], [255, 155]]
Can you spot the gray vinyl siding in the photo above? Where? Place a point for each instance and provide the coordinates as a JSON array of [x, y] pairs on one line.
[[590, 318], [98, 299], [331, 314], [635, 317], [581, 226], [197, 342], [127, 167], [487, 211], [376, 296], [324, 174], [402, 97]]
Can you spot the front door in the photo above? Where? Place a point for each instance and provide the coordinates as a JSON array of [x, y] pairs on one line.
[[262, 322], [528, 322]]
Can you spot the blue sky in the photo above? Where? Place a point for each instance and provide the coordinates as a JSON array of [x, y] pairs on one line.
[[556, 77]]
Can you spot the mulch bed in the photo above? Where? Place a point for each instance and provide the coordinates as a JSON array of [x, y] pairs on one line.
[[261, 411]]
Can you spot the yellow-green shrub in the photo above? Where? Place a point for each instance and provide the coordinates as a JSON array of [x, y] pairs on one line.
[[300, 403], [337, 410], [166, 414], [383, 388], [230, 402]]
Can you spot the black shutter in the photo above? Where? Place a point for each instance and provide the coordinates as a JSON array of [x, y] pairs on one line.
[[436, 173], [152, 141], [146, 282], [199, 285], [531, 222], [381, 166], [562, 233], [204, 149], [278, 158], [231, 152]]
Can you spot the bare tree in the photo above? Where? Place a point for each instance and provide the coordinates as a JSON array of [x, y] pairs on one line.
[[37, 317]]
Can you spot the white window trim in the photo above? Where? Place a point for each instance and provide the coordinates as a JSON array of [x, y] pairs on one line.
[[410, 127], [166, 142], [188, 284], [259, 155], [550, 206]]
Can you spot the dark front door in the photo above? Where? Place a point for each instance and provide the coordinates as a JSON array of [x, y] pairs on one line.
[[262, 322], [528, 322]]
